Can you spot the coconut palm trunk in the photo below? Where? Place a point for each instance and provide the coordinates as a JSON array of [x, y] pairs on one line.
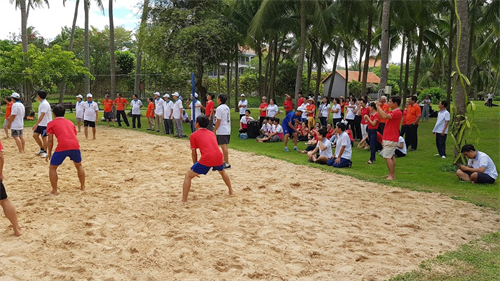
[[137, 80], [112, 62], [384, 56], [86, 47], [300, 62]]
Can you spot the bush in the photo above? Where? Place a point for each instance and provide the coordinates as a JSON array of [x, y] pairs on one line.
[[496, 98], [435, 93]]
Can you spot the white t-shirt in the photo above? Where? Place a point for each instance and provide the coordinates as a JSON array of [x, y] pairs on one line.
[[344, 140], [167, 109], [337, 115], [197, 109], [243, 109], [323, 109], [279, 129], [303, 108], [90, 111], [490, 96], [44, 107], [328, 151], [79, 109], [17, 110], [264, 128], [402, 140], [159, 106], [443, 116], [136, 106], [244, 119], [177, 109], [223, 114], [272, 110], [483, 160], [350, 113]]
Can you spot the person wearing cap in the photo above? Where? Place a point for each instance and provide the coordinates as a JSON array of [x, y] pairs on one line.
[[196, 112], [8, 208], [108, 109], [177, 115], [159, 112], [288, 104], [167, 115], [16, 121], [90, 115], [136, 111], [210, 111], [263, 110], [242, 105], [288, 126], [223, 127], [67, 146], [79, 111], [121, 103], [8, 110], [40, 127], [310, 110]]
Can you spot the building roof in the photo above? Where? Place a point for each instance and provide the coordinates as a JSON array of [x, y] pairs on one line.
[[353, 75]]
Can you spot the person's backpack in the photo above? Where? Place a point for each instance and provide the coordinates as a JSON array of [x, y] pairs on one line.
[[253, 129]]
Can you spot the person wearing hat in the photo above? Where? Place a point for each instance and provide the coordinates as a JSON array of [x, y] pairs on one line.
[[242, 105], [108, 109], [16, 121], [40, 127], [167, 115], [159, 112], [288, 126], [79, 111], [136, 111], [177, 115], [196, 112], [121, 103], [90, 115], [310, 110]]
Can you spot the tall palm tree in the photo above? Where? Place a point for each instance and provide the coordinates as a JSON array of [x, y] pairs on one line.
[[86, 7], [140, 34], [386, 12], [112, 63]]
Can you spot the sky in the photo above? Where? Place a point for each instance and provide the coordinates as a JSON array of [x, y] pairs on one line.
[[48, 21]]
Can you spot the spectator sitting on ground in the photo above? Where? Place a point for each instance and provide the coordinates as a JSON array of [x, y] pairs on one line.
[[330, 131], [343, 149], [264, 130], [401, 148], [324, 148], [185, 116], [244, 121], [479, 169], [276, 133], [303, 131]]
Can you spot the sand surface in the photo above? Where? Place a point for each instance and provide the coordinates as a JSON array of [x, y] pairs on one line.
[[281, 224]]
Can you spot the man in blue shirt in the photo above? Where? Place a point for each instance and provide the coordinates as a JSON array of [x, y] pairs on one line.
[[289, 127]]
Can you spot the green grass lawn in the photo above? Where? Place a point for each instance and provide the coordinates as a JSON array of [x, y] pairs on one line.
[[420, 171]]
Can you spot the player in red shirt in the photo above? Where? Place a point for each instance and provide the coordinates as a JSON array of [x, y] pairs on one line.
[[8, 111], [390, 137], [7, 206], [67, 146], [211, 156]]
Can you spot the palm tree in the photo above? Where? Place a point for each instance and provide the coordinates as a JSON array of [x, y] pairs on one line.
[[386, 12], [86, 7], [112, 63], [137, 81]]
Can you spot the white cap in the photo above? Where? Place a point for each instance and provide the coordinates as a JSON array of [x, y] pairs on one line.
[[15, 95], [242, 95], [89, 95], [196, 95], [166, 96], [175, 94], [80, 96], [157, 94]]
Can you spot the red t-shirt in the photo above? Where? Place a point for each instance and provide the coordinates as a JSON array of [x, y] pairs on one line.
[[385, 108], [205, 140], [209, 107], [330, 133], [65, 132], [108, 105], [8, 110], [379, 137], [1, 147], [391, 129], [288, 105], [120, 103], [263, 113], [349, 133], [364, 111], [373, 117], [150, 112], [312, 108], [300, 102]]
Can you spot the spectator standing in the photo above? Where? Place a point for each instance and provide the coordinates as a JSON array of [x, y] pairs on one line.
[[90, 116], [263, 109], [16, 121], [272, 109], [121, 104], [385, 107], [158, 112], [8, 111], [441, 128], [288, 104], [310, 110], [324, 111], [136, 111], [489, 101], [168, 124], [372, 120], [210, 111], [150, 114], [350, 115], [426, 108], [79, 107], [390, 137], [403, 124], [412, 119], [223, 127], [336, 111], [40, 127], [196, 112], [177, 112], [242, 105], [108, 110], [300, 100]]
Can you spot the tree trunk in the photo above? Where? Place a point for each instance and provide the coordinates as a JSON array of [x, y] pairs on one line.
[[236, 75], [138, 65], [334, 70], [346, 88], [450, 60], [277, 52], [218, 79], [202, 91], [310, 63], [361, 53], [261, 80], [319, 65], [300, 62], [228, 79], [268, 70], [112, 63], [386, 9], [417, 61], [87, 50], [73, 26], [407, 68], [367, 56], [401, 67]]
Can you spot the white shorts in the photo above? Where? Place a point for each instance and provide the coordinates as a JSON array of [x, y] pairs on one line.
[[388, 148]]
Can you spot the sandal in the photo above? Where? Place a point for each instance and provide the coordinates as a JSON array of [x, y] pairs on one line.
[[369, 162]]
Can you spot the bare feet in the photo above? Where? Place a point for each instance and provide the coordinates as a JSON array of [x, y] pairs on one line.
[[390, 178], [82, 188], [52, 193], [17, 231]]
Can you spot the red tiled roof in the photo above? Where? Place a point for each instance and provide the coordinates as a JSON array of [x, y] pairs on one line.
[[353, 75]]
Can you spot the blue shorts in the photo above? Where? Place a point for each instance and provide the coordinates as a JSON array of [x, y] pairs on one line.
[[41, 130], [287, 130], [59, 156], [202, 169]]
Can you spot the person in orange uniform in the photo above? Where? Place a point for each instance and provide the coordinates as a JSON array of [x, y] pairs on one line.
[[310, 109], [8, 110], [413, 115], [108, 109], [385, 107], [150, 114], [121, 103]]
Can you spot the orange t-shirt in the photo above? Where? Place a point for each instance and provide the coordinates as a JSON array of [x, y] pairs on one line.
[[8, 110], [385, 108], [150, 113], [108, 105], [413, 113], [312, 108], [120, 103]]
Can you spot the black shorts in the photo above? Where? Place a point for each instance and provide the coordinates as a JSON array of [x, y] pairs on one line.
[[223, 139], [3, 193], [482, 177], [108, 116], [88, 124], [42, 130]]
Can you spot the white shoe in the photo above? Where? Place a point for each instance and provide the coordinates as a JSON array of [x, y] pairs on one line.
[[444, 157], [43, 155], [39, 152], [437, 154]]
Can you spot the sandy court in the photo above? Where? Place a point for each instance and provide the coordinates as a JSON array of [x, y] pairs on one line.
[[280, 225]]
